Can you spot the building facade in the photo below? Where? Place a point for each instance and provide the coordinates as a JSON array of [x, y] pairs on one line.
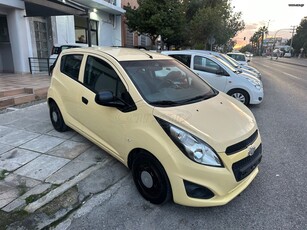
[[30, 28], [132, 39]]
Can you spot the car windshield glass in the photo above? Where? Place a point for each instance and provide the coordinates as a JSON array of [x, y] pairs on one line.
[[167, 82], [233, 62], [226, 64]]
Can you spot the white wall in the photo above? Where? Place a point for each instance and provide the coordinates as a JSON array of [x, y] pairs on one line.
[[64, 30], [109, 28], [19, 43]]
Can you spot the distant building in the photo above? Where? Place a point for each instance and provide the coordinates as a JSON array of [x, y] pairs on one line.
[[132, 39], [29, 28], [269, 44]]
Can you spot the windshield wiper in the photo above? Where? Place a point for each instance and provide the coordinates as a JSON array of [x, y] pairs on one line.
[[164, 102], [198, 98]]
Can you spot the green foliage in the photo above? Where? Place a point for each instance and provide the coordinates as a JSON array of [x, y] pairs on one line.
[[156, 17], [300, 38], [247, 48], [185, 22], [2, 174]]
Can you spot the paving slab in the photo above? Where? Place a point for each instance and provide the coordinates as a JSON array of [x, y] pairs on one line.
[[4, 148], [42, 167], [17, 137], [64, 135], [22, 123], [7, 194], [43, 143], [70, 170], [42, 127], [93, 154], [4, 130], [21, 201], [21, 181], [70, 149], [16, 158]]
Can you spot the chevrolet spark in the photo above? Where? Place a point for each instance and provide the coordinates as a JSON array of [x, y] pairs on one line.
[[182, 139]]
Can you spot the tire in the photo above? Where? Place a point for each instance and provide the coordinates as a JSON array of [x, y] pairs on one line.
[[240, 95], [57, 118], [150, 179]]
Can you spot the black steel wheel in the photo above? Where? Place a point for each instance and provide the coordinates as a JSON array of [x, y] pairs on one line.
[[240, 95], [57, 118], [150, 179]]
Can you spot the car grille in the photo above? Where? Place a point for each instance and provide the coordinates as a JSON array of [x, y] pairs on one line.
[[244, 167], [242, 145]]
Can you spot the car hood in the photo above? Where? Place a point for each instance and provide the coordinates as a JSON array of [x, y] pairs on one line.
[[219, 121], [247, 75]]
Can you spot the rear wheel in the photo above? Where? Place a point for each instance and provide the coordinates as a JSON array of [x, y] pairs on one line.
[[240, 95], [150, 179], [57, 118]]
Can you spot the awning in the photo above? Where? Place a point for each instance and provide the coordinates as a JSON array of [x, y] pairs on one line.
[[106, 6], [45, 8]]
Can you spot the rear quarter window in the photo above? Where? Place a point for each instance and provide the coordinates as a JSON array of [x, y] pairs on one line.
[[70, 65]]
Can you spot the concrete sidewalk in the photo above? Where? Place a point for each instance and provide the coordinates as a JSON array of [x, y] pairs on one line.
[[18, 89], [292, 61], [39, 164]]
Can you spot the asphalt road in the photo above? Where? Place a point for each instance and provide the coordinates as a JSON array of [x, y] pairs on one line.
[[276, 199]]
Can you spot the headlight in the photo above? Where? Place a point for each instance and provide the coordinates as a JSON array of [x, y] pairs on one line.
[[193, 147], [255, 83]]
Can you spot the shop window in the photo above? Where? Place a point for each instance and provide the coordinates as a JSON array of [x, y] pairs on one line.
[[81, 31]]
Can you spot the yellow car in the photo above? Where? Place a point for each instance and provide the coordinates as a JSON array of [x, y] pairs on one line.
[[181, 138]]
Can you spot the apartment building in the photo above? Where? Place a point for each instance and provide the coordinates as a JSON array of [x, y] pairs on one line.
[[29, 28]]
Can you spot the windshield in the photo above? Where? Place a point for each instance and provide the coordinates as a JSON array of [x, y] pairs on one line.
[[232, 61], [167, 82], [226, 64]]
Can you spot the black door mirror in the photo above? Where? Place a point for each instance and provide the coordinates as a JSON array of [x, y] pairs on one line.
[[106, 98]]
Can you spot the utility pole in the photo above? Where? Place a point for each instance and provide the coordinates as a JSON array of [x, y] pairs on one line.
[[292, 39]]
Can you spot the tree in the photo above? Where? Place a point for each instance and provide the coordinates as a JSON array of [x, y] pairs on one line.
[[300, 38], [257, 40], [155, 18], [185, 22], [208, 18]]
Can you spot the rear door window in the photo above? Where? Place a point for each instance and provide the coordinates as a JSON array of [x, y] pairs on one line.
[[70, 65]]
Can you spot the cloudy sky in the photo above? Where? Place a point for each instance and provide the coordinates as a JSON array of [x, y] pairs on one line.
[[276, 14]]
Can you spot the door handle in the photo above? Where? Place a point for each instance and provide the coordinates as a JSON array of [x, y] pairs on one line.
[[84, 100]]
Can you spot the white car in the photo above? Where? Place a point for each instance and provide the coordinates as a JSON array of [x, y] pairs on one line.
[[242, 68], [245, 88], [239, 57]]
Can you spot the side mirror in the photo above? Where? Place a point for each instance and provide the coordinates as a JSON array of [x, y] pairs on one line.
[[248, 60], [106, 98]]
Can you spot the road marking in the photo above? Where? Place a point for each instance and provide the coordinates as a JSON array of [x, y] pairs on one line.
[[290, 75]]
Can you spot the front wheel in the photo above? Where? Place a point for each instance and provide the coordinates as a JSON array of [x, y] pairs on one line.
[[150, 179], [57, 118], [240, 95]]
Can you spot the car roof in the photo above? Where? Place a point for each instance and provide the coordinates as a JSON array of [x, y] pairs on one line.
[[199, 52], [120, 53]]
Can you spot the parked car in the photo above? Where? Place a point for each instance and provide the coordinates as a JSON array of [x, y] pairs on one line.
[[244, 87], [181, 138], [243, 68], [58, 48], [287, 55], [239, 57]]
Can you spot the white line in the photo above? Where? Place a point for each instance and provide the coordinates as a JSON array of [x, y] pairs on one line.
[[290, 75]]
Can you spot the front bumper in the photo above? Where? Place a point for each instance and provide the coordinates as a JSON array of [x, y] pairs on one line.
[[225, 183], [256, 96]]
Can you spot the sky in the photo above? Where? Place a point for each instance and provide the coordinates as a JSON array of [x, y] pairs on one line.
[[277, 15]]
